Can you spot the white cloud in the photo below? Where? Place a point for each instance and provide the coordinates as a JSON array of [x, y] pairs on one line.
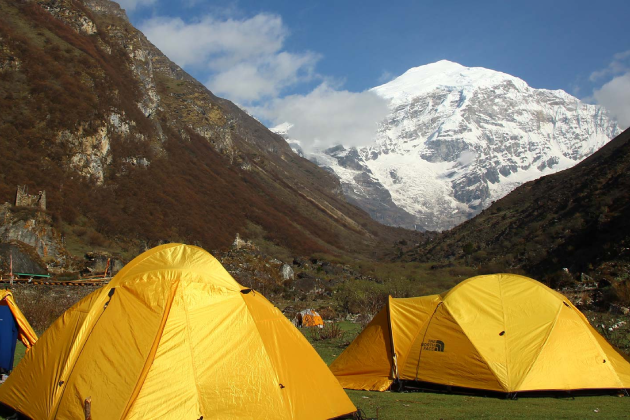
[[615, 96], [385, 77], [244, 57], [131, 5], [327, 117], [265, 77], [244, 60], [618, 65]]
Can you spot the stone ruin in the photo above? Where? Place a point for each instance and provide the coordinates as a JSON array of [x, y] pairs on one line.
[[242, 244], [24, 199]]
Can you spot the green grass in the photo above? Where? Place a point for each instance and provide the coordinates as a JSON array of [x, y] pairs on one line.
[[20, 349], [395, 405]]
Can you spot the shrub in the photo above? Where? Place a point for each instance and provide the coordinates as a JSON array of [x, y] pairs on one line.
[[622, 289], [331, 331], [327, 313], [79, 231], [96, 239]]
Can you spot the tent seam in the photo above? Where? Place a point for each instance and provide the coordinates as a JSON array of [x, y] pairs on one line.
[[505, 346], [475, 347], [152, 351], [76, 359], [424, 335], [394, 371], [192, 356], [415, 337], [553, 327]]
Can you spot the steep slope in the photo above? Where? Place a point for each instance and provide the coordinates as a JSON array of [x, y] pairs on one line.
[[130, 147], [458, 138], [577, 219]]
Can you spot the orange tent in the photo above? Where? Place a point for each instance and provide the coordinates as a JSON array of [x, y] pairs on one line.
[[308, 318]]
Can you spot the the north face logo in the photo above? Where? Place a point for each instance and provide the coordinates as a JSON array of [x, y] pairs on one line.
[[433, 345]]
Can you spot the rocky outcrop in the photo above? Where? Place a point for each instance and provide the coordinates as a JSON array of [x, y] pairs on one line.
[[19, 258], [34, 228], [69, 14]]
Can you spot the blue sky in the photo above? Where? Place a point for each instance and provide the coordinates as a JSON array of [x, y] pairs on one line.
[[261, 54]]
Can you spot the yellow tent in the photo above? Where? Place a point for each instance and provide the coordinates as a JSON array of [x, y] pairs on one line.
[[174, 336], [502, 332], [25, 333]]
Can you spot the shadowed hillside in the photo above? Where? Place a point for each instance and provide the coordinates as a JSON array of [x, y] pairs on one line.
[[578, 219]]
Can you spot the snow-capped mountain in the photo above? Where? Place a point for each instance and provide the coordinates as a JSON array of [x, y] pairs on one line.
[[458, 138]]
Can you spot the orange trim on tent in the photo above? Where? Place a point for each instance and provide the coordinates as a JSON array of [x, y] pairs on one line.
[[25, 332]]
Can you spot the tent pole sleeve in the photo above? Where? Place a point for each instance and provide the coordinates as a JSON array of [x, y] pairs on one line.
[[151, 355], [423, 337], [394, 371]]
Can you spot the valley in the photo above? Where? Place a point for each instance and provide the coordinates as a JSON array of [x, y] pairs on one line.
[[109, 149]]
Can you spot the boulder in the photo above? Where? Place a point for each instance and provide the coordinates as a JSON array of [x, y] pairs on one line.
[[287, 272]]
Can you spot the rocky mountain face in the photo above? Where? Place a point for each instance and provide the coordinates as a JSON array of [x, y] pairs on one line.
[[132, 150], [459, 138]]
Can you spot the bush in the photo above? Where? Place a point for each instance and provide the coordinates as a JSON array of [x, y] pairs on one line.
[[331, 331], [327, 313], [622, 289], [96, 239], [362, 297], [79, 231]]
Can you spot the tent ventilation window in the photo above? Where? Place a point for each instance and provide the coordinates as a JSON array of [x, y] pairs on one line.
[[566, 304]]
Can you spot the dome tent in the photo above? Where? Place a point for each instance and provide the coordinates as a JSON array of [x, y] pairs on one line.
[[308, 318], [502, 332], [173, 335]]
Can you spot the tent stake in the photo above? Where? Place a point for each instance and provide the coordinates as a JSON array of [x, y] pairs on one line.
[[87, 408]]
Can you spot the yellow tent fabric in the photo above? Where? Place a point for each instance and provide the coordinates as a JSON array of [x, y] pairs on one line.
[[174, 336], [25, 332], [501, 332]]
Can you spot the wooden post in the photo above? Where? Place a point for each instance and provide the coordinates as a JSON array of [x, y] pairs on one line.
[[11, 281], [87, 408]]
